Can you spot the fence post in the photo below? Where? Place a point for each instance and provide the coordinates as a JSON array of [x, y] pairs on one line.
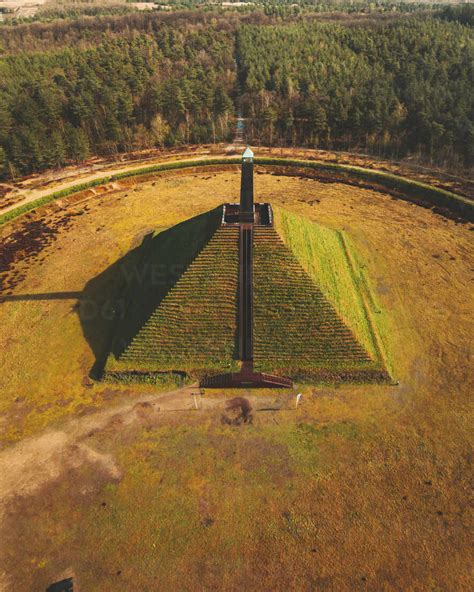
[[298, 399]]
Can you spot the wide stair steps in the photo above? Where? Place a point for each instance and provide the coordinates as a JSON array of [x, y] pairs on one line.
[[294, 324], [197, 318]]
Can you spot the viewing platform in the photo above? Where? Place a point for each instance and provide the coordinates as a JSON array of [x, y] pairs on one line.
[[263, 215]]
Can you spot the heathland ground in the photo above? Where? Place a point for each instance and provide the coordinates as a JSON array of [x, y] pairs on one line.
[[361, 488]]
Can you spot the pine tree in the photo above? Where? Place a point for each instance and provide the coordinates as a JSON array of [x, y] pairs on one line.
[[3, 163], [57, 150], [79, 149]]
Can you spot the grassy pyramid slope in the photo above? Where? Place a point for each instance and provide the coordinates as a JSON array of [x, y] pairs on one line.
[[191, 319], [299, 326], [328, 258], [310, 313]]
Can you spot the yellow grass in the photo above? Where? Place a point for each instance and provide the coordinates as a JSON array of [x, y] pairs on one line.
[[362, 488]]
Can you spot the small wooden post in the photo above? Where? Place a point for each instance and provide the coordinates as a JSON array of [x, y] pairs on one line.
[[298, 399]]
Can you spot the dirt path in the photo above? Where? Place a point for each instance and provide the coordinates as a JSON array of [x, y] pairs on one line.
[[38, 186], [24, 196], [33, 463]]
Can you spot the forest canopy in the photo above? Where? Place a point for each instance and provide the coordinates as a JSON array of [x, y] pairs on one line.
[[405, 88], [71, 89]]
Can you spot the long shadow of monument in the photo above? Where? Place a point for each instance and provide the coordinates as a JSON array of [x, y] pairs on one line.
[[115, 304]]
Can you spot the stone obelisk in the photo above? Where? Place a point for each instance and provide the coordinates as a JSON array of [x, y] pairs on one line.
[[247, 207]]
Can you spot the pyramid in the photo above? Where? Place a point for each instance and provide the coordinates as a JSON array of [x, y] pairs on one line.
[[247, 296], [188, 324]]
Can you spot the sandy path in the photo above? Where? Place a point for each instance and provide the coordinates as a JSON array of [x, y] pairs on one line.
[[77, 177], [35, 462]]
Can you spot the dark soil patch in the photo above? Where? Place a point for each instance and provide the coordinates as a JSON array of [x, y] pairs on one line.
[[25, 243], [238, 412]]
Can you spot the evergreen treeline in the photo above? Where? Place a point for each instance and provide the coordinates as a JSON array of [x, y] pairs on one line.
[[165, 87], [121, 83], [463, 14], [395, 89]]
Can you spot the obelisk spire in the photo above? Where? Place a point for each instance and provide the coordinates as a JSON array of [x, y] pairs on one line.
[[247, 208]]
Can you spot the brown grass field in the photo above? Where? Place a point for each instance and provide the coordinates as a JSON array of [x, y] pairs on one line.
[[130, 488]]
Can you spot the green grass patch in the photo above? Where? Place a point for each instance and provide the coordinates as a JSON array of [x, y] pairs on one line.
[[375, 315], [160, 379], [322, 253]]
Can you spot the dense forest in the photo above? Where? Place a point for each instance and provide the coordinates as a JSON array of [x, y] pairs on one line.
[[121, 92], [70, 89], [393, 90]]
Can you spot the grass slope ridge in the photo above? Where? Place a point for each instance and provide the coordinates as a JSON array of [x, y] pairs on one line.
[[322, 253], [298, 331], [422, 193], [329, 258], [192, 327]]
